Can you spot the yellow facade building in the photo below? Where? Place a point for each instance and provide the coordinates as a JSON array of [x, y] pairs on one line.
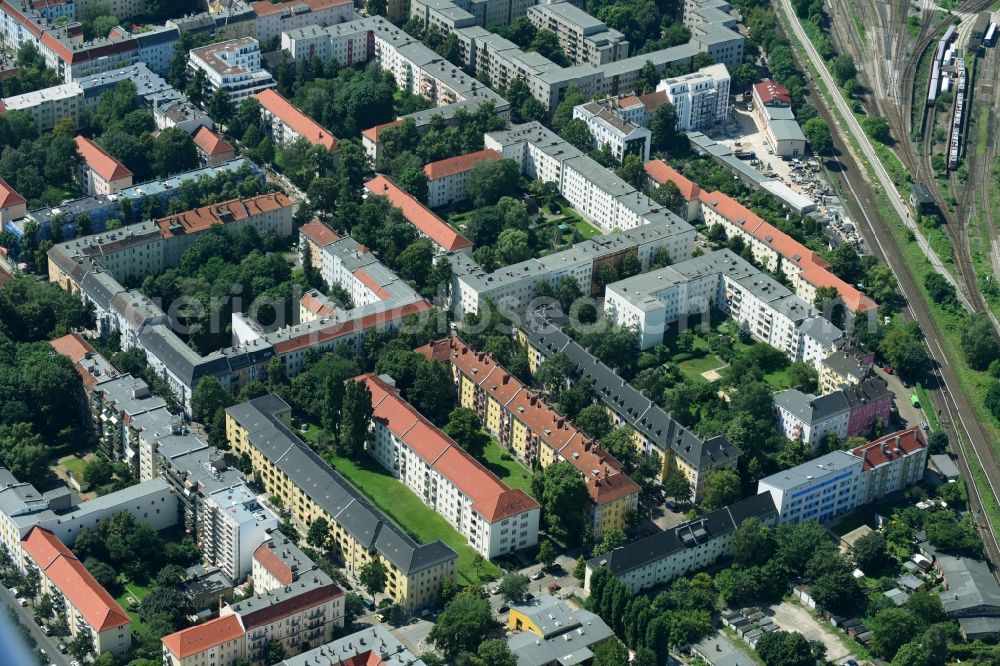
[[309, 489], [537, 434]]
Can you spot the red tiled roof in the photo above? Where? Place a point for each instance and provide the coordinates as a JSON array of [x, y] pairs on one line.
[[654, 100], [73, 346], [419, 215], [273, 564], [491, 497], [300, 123], [628, 100], [340, 330], [266, 7], [69, 576], [104, 165], [602, 473], [310, 598], [771, 91], [211, 143], [186, 642], [659, 171], [372, 132], [199, 219], [896, 444], [8, 197], [315, 305], [459, 164], [318, 233]]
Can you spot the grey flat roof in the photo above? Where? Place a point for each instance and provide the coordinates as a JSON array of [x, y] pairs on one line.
[[972, 589], [810, 408], [817, 468], [375, 640]]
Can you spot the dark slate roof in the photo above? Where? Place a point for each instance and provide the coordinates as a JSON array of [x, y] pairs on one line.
[[972, 589], [809, 408], [870, 390], [330, 490], [663, 544], [101, 288], [621, 397]]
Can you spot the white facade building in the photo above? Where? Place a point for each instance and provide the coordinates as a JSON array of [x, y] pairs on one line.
[[700, 98], [231, 525], [232, 66], [609, 129], [583, 38], [821, 489], [496, 520], [809, 418], [652, 302]]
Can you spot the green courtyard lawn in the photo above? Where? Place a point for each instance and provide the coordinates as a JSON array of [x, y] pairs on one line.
[[74, 464], [510, 471], [694, 367], [136, 591], [406, 510], [779, 380]]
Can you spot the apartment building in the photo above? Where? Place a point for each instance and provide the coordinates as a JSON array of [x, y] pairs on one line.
[[821, 489], [49, 105], [372, 645], [773, 112], [214, 150], [839, 482], [583, 38], [701, 98], [608, 129], [848, 366], [652, 302], [677, 551], [64, 52], [770, 247], [427, 224], [714, 29], [546, 630], [890, 463], [294, 603], [100, 173], [653, 430], [496, 520], [230, 523], [12, 205], [287, 124], [232, 66], [849, 411], [534, 432], [101, 208], [447, 179], [86, 606], [274, 18], [310, 488]]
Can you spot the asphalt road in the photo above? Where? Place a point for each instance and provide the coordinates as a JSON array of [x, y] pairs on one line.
[[26, 616]]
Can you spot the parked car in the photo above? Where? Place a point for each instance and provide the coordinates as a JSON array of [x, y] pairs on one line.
[[537, 575], [13, 591], [61, 648], [553, 587], [22, 601], [672, 505], [503, 609]]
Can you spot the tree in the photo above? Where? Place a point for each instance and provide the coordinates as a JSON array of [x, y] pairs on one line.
[[319, 534], [355, 422], [891, 629], [102, 572], [562, 492], [465, 428], [722, 487], [274, 652], [81, 645], [902, 346], [580, 569], [171, 575], [877, 127], [494, 652], [547, 554], [416, 261], [594, 421], [98, 472], [663, 127], [489, 180], [980, 343], [613, 538], [669, 195], [462, 624], [677, 486], [414, 181], [753, 544], [512, 247], [818, 134], [632, 171], [377, 7], [373, 576], [514, 586], [168, 601], [220, 108], [610, 653], [578, 134], [174, 150], [912, 654], [843, 68], [208, 399], [870, 552], [926, 607], [784, 648]]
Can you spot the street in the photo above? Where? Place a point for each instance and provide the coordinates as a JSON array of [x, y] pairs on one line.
[[26, 617]]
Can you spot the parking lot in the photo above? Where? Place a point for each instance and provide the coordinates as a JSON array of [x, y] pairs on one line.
[[792, 617]]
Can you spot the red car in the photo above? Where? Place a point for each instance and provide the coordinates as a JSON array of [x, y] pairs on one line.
[[888, 370]]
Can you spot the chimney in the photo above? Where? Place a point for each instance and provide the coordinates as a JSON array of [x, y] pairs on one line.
[[561, 422], [506, 378]]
